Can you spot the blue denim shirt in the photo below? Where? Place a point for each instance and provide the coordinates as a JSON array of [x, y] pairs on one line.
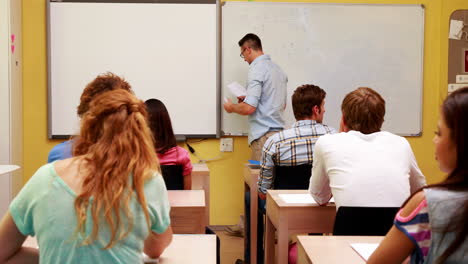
[[60, 151], [266, 91]]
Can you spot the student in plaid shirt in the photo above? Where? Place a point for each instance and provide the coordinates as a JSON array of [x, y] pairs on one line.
[[295, 146], [290, 147]]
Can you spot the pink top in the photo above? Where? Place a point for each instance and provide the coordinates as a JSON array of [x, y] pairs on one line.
[[177, 156]]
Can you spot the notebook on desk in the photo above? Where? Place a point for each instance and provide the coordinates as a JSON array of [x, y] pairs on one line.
[[364, 250], [299, 198]]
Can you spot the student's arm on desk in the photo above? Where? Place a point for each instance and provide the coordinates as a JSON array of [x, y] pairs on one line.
[[396, 246], [156, 243], [188, 182], [319, 185], [12, 240], [265, 178]]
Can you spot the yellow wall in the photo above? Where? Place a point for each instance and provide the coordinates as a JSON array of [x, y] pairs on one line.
[[226, 172]]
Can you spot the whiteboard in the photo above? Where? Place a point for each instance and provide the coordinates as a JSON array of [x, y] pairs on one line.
[[165, 51], [338, 47]]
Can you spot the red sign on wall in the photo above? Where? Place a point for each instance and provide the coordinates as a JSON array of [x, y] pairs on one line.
[[465, 60]]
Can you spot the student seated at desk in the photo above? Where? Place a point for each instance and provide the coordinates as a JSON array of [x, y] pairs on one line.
[[103, 83], [291, 147], [363, 166], [165, 142], [432, 224], [106, 204]]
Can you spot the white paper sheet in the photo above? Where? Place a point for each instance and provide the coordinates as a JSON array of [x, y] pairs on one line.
[[364, 249], [456, 27], [236, 89], [8, 168], [299, 198], [147, 259]]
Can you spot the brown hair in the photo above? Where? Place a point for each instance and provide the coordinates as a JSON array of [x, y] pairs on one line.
[[103, 83], [454, 112], [161, 126], [363, 110], [117, 150], [305, 97]]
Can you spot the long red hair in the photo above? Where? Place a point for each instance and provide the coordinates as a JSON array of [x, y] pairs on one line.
[[116, 146]]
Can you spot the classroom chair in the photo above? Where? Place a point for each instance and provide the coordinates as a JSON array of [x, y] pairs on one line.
[[173, 177], [292, 177], [364, 221]]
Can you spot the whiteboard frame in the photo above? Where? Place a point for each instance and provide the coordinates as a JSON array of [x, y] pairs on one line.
[[179, 137], [421, 77]]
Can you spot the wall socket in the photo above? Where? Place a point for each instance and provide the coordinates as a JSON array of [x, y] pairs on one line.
[[226, 144], [454, 86], [462, 78]]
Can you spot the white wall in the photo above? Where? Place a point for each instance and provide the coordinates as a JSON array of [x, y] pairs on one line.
[[11, 136]]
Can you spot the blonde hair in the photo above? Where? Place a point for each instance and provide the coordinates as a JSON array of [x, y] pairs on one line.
[[117, 149]]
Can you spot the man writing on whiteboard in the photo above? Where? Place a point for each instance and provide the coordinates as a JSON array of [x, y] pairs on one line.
[[266, 94]]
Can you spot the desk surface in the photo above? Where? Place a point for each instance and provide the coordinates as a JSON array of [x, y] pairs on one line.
[[275, 195], [186, 198], [332, 249], [251, 176], [199, 168], [197, 249]]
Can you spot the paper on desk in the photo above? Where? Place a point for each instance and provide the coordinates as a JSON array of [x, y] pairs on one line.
[[364, 249], [299, 198], [8, 168], [147, 259], [236, 89]]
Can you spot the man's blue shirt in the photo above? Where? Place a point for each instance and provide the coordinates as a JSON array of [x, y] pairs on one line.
[[60, 151], [266, 91]]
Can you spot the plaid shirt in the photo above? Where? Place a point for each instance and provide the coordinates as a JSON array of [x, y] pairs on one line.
[[291, 147]]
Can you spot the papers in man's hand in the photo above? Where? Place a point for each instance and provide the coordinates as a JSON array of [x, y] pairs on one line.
[[364, 249], [147, 259], [299, 198], [237, 89], [4, 169]]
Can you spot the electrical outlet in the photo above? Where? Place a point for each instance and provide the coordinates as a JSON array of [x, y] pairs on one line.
[[462, 78], [454, 86], [226, 144]]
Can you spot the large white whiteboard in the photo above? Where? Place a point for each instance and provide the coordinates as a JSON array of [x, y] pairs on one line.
[[165, 51], [338, 47]]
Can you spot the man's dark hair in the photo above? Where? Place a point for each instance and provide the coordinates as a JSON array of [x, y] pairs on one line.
[[252, 40], [305, 97], [161, 126]]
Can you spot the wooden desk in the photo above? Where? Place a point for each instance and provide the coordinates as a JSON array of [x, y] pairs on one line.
[[201, 181], [197, 249], [293, 218], [331, 249], [250, 184], [188, 211]]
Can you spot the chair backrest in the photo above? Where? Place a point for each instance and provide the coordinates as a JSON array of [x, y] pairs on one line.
[[173, 176], [292, 177], [364, 221]]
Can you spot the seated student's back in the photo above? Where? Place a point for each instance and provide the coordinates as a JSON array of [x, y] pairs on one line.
[[363, 166], [165, 142], [106, 204], [431, 226]]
